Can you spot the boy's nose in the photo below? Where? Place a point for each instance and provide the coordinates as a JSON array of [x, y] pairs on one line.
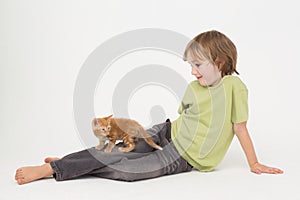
[[194, 71]]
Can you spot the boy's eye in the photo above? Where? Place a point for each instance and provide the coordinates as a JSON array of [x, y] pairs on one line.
[[198, 65]]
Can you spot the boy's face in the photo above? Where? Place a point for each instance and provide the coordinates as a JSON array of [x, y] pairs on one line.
[[206, 73]]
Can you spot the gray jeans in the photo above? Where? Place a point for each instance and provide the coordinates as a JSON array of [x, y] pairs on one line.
[[142, 163]]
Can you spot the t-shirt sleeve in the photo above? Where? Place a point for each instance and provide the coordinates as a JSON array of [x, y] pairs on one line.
[[239, 102]]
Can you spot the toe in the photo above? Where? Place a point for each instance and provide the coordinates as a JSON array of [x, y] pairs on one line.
[[16, 176], [19, 170], [20, 181], [49, 159], [18, 173]]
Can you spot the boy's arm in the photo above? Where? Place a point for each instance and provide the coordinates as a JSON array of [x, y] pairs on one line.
[[240, 130]]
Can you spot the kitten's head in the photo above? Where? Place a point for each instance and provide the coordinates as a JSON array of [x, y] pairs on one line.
[[101, 126]]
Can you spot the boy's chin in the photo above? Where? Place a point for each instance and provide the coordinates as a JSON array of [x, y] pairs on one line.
[[202, 82]]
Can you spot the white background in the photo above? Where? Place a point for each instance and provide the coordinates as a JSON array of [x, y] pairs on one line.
[[43, 45]]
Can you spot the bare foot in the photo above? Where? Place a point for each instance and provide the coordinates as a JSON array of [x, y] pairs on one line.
[[49, 159], [29, 174]]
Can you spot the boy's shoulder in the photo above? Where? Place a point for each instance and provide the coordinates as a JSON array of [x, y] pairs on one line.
[[232, 78], [235, 81]]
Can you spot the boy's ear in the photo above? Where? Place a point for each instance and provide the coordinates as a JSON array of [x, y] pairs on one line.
[[220, 63]]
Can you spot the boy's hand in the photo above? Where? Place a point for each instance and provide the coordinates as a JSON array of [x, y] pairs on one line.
[[259, 168]]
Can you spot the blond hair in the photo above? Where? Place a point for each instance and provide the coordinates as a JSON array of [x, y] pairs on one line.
[[216, 48]]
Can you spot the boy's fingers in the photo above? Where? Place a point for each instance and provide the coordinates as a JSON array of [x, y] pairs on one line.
[[271, 170], [278, 171], [265, 169]]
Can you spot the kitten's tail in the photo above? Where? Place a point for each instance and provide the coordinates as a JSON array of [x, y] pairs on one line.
[[149, 140]]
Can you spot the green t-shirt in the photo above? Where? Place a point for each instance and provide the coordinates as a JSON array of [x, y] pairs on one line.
[[204, 130]]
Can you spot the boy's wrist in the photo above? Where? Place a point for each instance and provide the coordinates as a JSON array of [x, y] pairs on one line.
[[253, 164]]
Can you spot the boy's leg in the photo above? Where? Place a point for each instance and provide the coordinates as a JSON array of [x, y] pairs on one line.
[[156, 164], [86, 161], [83, 162]]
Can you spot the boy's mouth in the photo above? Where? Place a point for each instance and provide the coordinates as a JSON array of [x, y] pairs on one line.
[[198, 77]]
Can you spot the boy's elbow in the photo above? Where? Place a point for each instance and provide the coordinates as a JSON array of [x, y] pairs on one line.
[[239, 127]]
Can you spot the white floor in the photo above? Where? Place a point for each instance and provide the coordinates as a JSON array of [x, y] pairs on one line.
[[231, 180]]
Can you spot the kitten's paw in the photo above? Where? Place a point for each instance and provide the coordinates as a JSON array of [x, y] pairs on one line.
[[98, 147], [107, 151], [121, 149]]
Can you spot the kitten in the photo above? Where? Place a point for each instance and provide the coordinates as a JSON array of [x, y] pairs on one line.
[[112, 129]]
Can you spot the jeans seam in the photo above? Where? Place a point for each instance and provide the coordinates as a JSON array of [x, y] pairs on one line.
[[56, 170]]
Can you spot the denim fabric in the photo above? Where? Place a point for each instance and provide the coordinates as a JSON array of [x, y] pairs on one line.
[[143, 162]]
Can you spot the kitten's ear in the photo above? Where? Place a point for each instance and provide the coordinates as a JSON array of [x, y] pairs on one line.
[[95, 122], [108, 118]]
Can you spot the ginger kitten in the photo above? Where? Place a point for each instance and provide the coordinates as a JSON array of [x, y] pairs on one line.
[[112, 129]]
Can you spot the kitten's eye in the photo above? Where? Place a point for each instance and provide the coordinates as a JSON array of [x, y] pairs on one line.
[[103, 129], [108, 128]]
